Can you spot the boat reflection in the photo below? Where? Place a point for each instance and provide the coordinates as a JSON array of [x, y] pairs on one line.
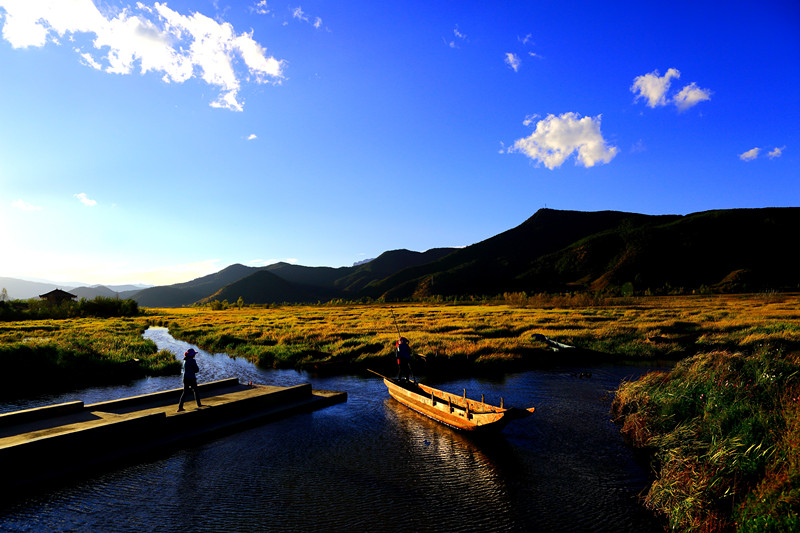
[[457, 463]]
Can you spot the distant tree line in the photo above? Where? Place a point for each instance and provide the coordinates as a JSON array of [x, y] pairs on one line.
[[34, 309]]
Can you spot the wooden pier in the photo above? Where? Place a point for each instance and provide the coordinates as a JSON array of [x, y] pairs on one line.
[[51, 442]]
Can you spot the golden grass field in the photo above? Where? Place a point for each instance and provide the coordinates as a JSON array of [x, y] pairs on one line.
[[657, 327], [475, 334]]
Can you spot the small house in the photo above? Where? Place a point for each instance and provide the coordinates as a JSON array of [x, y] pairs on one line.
[[57, 296]]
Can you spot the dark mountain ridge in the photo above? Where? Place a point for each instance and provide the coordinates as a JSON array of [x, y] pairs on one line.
[[552, 251]]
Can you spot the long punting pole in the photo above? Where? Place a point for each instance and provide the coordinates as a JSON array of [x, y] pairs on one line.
[[395, 322]]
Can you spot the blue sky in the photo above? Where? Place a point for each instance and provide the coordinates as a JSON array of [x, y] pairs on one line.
[[158, 142]]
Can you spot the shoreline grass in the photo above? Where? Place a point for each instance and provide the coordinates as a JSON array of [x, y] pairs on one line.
[[722, 429], [61, 354]]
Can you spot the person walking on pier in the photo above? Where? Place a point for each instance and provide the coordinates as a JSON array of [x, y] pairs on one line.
[[190, 370], [404, 359]]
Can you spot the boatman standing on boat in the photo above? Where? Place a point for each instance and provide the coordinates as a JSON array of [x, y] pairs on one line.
[[404, 359], [190, 370]]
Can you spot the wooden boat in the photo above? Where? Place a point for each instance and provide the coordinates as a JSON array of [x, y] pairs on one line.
[[458, 412]]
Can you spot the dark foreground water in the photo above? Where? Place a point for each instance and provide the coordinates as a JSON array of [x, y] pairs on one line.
[[368, 464]]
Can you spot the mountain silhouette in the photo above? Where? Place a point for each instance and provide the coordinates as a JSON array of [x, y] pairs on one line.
[[552, 251]]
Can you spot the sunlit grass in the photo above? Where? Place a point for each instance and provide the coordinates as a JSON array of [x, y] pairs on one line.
[[723, 428], [45, 354], [663, 327]]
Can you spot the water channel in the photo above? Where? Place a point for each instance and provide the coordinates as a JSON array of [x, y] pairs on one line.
[[368, 464]]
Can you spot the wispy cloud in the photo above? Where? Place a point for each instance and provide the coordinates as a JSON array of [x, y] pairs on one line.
[[530, 119], [261, 8], [85, 200], [513, 61], [557, 137], [156, 39], [299, 14], [22, 205], [777, 152], [750, 154], [252, 137], [458, 36], [654, 88], [638, 147], [88, 60]]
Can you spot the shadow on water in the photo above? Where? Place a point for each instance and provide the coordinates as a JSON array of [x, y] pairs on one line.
[[370, 464]]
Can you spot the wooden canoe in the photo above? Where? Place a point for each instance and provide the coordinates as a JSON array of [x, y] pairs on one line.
[[458, 412]]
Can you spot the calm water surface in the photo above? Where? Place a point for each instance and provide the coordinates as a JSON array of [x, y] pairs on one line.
[[368, 464]]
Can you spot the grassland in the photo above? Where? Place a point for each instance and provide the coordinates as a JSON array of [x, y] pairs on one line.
[[470, 338], [476, 337], [722, 428], [56, 354]]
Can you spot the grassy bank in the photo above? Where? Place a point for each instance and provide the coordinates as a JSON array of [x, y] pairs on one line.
[[49, 355], [723, 431]]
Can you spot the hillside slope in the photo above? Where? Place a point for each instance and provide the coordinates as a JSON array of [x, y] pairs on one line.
[[552, 251]]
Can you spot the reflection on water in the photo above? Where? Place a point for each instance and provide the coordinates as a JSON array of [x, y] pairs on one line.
[[370, 464]]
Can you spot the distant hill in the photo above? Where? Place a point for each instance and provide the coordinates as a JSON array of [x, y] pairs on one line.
[[90, 293], [737, 249], [492, 266], [552, 251], [287, 282], [187, 293], [385, 265], [265, 287], [20, 289]]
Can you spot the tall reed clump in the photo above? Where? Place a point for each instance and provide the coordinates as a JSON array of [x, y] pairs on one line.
[[722, 429]]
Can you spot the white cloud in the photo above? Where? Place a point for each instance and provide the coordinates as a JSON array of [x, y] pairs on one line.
[[529, 119], [453, 43], [512, 60], [777, 152], [557, 138], [299, 14], [89, 61], [525, 40], [654, 88], [154, 38], [31, 22], [750, 154], [690, 96], [252, 137], [85, 200], [22, 205], [261, 8]]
